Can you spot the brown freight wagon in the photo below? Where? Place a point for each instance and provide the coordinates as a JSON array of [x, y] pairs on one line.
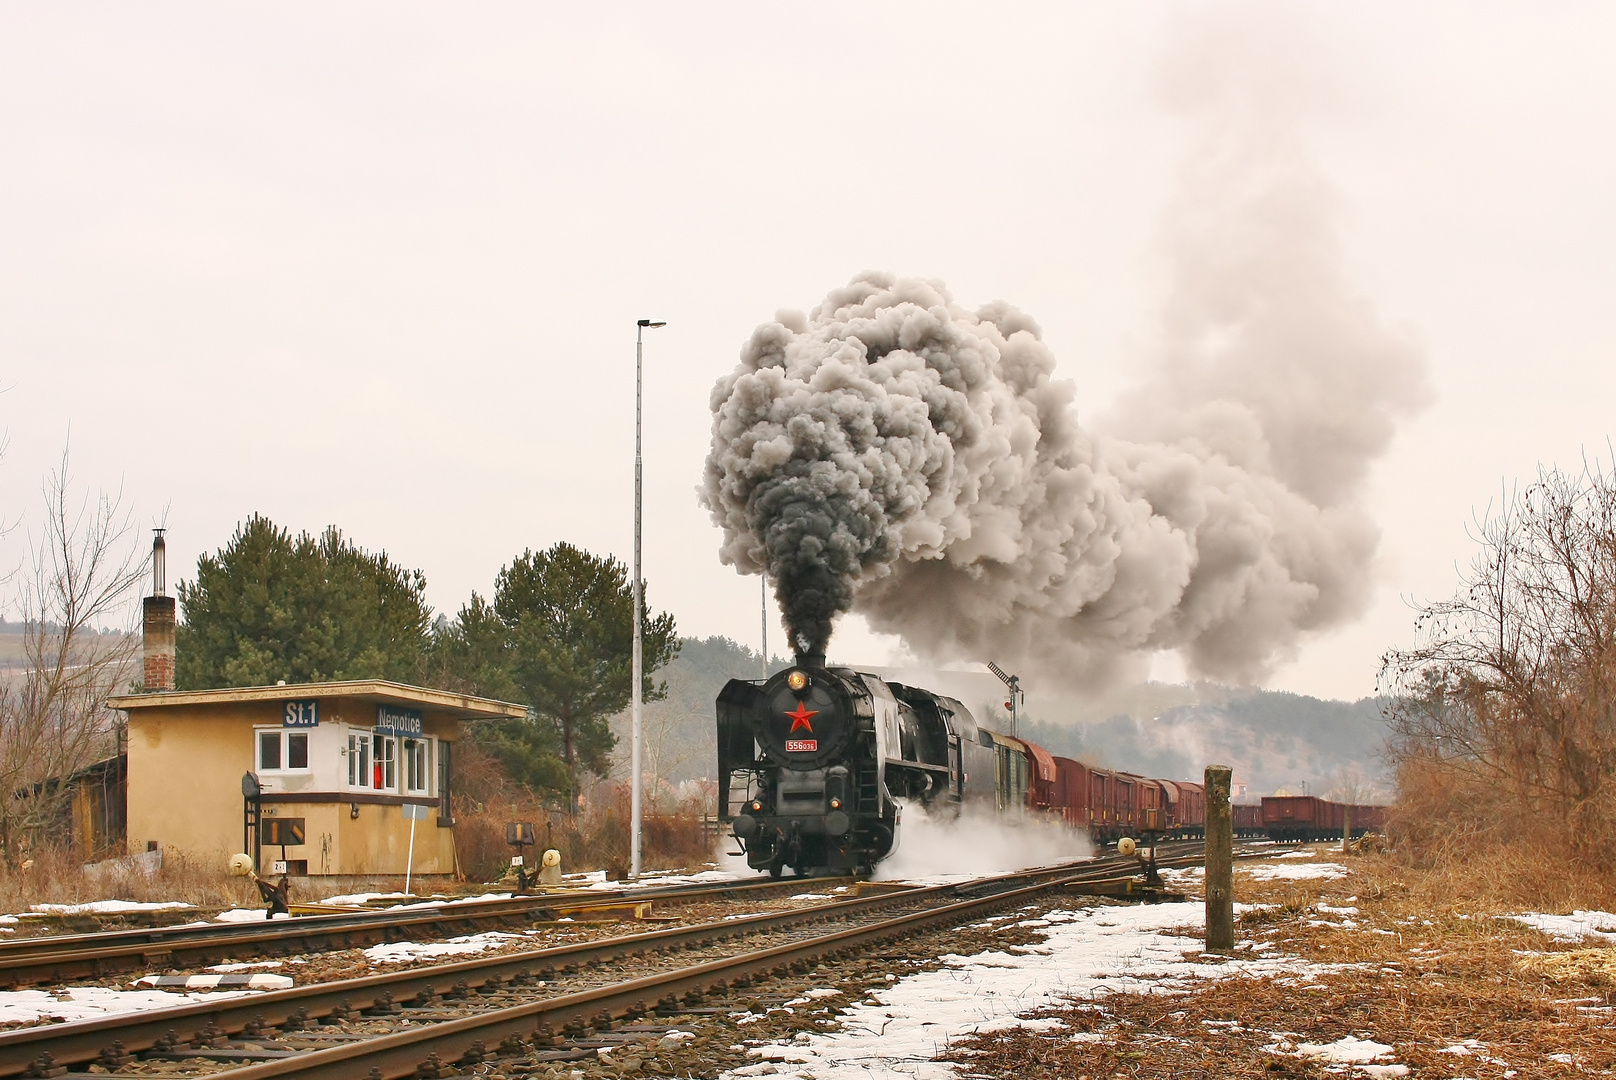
[[1099, 800], [1247, 819], [1300, 818], [1185, 809]]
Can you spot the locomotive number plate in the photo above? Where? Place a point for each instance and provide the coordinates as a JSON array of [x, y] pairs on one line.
[[802, 746]]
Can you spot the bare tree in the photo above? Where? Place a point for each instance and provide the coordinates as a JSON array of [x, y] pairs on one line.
[[1505, 708], [84, 566], [1349, 785]]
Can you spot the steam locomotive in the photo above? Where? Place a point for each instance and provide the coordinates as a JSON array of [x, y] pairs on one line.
[[815, 765]]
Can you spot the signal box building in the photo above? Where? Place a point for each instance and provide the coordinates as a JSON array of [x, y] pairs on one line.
[[330, 778]]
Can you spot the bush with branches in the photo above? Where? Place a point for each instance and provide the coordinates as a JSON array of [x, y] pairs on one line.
[[1503, 713]]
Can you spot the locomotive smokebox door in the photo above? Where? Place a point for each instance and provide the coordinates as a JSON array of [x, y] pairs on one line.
[[804, 726]]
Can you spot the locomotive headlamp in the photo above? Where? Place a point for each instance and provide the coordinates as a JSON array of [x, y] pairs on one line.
[[757, 806], [796, 680], [836, 804]]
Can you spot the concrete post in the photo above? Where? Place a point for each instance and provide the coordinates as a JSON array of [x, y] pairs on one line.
[[1219, 861]]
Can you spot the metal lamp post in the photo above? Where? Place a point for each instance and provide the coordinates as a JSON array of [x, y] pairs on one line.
[[635, 808]]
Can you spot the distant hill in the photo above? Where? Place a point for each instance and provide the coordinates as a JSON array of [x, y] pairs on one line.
[[1271, 739], [679, 731]]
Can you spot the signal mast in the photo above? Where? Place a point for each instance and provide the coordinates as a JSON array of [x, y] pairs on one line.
[[1016, 695]]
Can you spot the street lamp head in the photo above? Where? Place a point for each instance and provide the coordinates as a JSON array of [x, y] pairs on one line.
[[648, 322]]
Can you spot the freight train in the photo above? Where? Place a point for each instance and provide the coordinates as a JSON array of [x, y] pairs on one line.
[[1300, 818], [815, 765]]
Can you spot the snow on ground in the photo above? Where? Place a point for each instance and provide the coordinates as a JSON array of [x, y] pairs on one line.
[[1573, 927], [242, 915], [656, 879], [359, 899], [1090, 952], [105, 907], [93, 1002], [1297, 871], [408, 952], [1346, 1050]]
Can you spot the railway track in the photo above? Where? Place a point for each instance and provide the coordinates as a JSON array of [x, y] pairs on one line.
[[57, 959], [412, 1021]]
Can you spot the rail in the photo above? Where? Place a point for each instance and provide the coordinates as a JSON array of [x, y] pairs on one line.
[[205, 1023]]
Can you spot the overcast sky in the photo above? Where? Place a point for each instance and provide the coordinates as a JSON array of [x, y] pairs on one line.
[[379, 265]]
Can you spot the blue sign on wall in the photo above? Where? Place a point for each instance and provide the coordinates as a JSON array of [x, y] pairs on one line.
[[390, 718], [301, 714]]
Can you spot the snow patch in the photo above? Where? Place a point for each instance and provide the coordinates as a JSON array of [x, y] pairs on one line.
[[1297, 872], [1090, 952], [1573, 927], [1346, 1050], [408, 952], [93, 1002], [106, 907], [242, 915]]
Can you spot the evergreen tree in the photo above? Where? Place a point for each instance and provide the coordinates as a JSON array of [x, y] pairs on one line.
[[271, 606], [558, 636]]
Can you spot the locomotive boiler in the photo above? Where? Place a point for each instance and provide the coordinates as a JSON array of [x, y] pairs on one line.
[[814, 764]]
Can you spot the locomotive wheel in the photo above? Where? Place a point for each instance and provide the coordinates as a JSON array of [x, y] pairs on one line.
[[777, 869]]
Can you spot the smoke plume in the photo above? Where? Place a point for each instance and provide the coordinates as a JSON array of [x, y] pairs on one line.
[[897, 454]]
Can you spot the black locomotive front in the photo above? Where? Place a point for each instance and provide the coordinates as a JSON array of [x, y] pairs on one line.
[[800, 770]]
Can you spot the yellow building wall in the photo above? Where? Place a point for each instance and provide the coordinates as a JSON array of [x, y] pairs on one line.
[[185, 769]]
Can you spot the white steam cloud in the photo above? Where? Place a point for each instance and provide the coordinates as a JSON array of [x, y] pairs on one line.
[[896, 454], [978, 842]]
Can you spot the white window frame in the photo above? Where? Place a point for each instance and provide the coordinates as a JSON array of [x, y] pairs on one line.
[[384, 756], [417, 755], [366, 748], [286, 736], [357, 751]]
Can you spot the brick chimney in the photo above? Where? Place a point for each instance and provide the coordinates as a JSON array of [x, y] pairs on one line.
[[157, 629]]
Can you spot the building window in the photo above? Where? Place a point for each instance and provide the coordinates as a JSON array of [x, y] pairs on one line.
[[417, 766], [283, 751], [359, 759], [375, 762], [384, 766]]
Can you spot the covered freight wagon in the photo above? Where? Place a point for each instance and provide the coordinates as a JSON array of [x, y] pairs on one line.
[[1300, 818]]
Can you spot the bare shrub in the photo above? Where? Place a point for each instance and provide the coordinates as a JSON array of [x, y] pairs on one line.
[[53, 715], [595, 838], [1503, 714]]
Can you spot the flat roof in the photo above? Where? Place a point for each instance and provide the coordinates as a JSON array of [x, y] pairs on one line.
[[463, 706]]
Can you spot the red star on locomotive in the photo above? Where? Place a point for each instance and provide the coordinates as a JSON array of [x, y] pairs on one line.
[[799, 719]]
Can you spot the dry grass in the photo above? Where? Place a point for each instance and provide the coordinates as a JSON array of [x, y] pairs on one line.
[[595, 839], [1425, 964], [56, 877], [1594, 967], [1527, 873]]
